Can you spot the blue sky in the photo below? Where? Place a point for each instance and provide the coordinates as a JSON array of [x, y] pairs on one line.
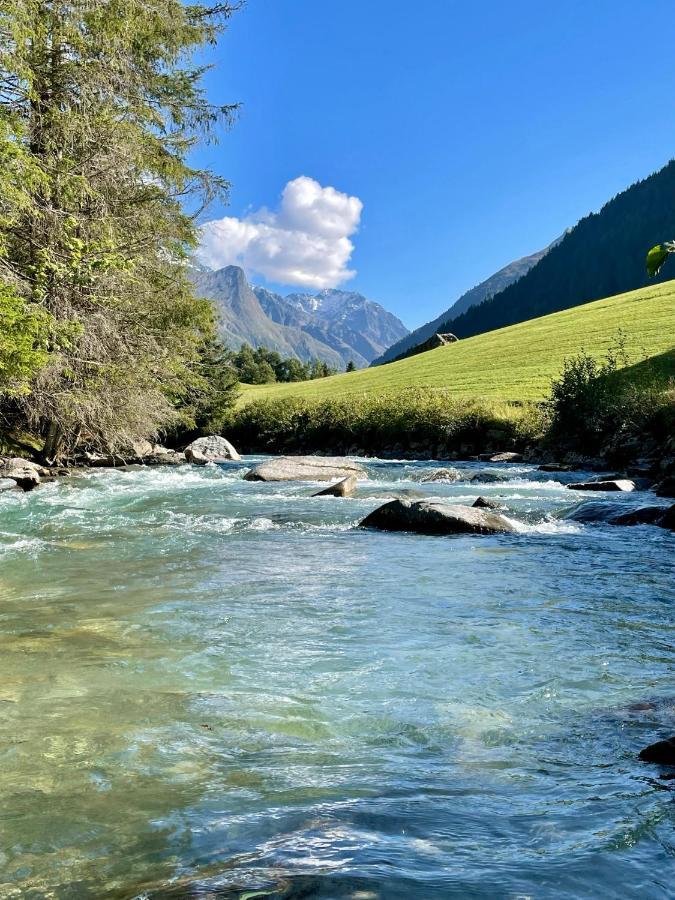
[[471, 133]]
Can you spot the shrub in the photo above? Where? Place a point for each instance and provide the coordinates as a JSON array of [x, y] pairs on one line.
[[408, 423]]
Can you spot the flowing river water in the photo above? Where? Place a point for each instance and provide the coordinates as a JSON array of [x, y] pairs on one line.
[[218, 688]]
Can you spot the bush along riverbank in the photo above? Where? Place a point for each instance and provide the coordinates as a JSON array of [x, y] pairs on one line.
[[411, 424]]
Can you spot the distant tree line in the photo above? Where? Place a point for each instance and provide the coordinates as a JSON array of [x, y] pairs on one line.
[[264, 366]]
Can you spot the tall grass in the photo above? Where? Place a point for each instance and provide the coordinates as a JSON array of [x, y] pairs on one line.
[[413, 422]]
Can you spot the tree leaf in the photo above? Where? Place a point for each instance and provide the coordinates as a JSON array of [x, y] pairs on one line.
[[657, 256]]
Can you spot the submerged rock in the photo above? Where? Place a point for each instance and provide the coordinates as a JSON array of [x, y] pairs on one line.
[[555, 467], [617, 484], [450, 474], [645, 515], [435, 517], [597, 512], [486, 503], [662, 752], [305, 468], [344, 488], [210, 449]]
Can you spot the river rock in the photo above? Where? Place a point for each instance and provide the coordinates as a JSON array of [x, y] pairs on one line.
[[435, 517], [7, 484], [507, 457], [489, 478], [106, 461], [662, 752], [210, 449], [599, 513], [164, 457], [554, 467], [344, 488], [668, 520], [617, 484], [305, 468], [450, 474], [645, 515], [485, 503], [23, 472], [666, 487]]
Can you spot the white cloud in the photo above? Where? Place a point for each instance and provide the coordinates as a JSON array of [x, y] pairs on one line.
[[305, 242]]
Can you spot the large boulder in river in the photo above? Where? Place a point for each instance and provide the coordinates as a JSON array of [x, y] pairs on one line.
[[616, 484], [450, 474], [210, 449], [305, 468], [23, 472], [436, 517], [344, 488]]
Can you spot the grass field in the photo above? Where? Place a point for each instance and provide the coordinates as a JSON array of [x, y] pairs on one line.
[[514, 363]]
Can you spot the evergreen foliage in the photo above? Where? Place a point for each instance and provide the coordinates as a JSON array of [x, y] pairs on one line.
[[265, 366], [100, 106]]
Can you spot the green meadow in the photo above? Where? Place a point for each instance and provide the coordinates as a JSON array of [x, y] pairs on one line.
[[513, 363]]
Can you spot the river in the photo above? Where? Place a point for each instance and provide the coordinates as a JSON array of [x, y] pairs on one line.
[[218, 688]]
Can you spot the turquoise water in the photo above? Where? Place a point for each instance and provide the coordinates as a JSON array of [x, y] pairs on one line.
[[214, 688]]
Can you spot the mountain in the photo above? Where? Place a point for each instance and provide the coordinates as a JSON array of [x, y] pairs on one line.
[[486, 289], [603, 254], [333, 326], [353, 326]]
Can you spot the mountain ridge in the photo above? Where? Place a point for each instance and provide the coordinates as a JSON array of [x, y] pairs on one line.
[[333, 326]]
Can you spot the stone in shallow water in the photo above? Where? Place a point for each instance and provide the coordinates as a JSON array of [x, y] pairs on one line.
[[305, 468], [436, 517], [442, 475], [23, 472], [210, 449], [617, 484], [485, 503], [662, 752], [344, 488], [489, 478]]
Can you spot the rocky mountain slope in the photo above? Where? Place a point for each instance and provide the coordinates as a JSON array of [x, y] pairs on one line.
[[333, 326]]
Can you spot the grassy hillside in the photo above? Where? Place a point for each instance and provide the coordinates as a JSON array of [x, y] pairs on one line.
[[514, 363]]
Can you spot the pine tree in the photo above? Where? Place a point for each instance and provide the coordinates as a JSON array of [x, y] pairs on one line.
[[100, 106]]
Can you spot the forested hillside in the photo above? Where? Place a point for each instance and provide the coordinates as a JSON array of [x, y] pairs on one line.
[[602, 255]]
